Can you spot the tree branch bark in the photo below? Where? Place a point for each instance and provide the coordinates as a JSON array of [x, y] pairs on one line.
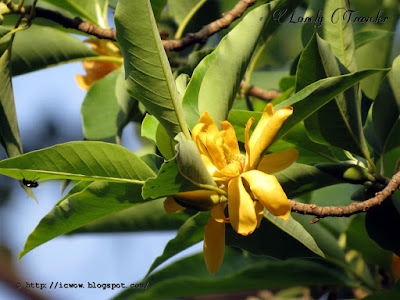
[[344, 211]]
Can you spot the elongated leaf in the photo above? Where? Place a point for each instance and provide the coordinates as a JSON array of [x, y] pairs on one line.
[[106, 107], [97, 200], [362, 38], [157, 6], [314, 96], [189, 234], [216, 79], [300, 179], [273, 238], [339, 33], [94, 11], [52, 47], [338, 123], [386, 109], [88, 161], [148, 74], [392, 293], [189, 276], [148, 216], [9, 133]]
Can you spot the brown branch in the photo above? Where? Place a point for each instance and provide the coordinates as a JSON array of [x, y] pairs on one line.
[[169, 45], [258, 92], [343, 211], [210, 29]]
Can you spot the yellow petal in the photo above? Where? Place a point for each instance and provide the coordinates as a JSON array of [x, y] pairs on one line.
[[83, 81], [230, 137], [214, 245], [259, 212], [246, 141], [395, 267], [209, 165], [171, 207], [269, 192], [275, 162], [241, 208], [232, 170], [265, 132], [218, 213]]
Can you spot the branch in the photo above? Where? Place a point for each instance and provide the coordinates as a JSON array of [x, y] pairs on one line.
[[210, 29], [343, 211], [169, 45], [258, 92]]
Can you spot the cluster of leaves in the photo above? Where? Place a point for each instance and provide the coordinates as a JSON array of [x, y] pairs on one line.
[[345, 126]]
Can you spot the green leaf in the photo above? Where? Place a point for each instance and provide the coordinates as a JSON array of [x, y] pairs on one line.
[[189, 234], [382, 223], [277, 238], [364, 37], [169, 181], [153, 161], [154, 131], [56, 47], [88, 161], [339, 33], [157, 5], [189, 277], [338, 123], [358, 239], [392, 293], [9, 133], [300, 179], [314, 96], [148, 74], [386, 110], [148, 216], [106, 107], [94, 11], [97, 200], [216, 79]]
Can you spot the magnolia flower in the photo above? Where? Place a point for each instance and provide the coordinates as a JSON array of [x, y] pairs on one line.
[[96, 70], [245, 178]]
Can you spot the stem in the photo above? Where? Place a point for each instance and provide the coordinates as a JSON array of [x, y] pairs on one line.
[[184, 23]]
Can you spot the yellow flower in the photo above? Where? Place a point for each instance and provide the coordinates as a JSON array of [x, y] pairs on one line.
[[96, 70], [245, 178]]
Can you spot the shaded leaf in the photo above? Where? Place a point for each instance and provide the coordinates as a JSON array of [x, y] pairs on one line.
[[188, 234], [148, 74], [149, 216], [364, 37], [97, 200]]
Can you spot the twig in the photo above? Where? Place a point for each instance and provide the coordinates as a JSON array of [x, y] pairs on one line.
[[169, 45], [354, 208], [258, 92], [210, 29]]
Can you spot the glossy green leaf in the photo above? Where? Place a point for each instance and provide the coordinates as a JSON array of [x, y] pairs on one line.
[[188, 234], [106, 107], [338, 123], [339, 33], [300, 179], [148, 74], [9, 133], [88, 161], [157, 6], [97, 200], [364, 37], [386, 110], [271, 240], [358, 239], [189, 277], [314, 96], [95, 11], [216, 79], [153, 130], [169, 181], [148, 216], [55, 47], [382, 223]]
